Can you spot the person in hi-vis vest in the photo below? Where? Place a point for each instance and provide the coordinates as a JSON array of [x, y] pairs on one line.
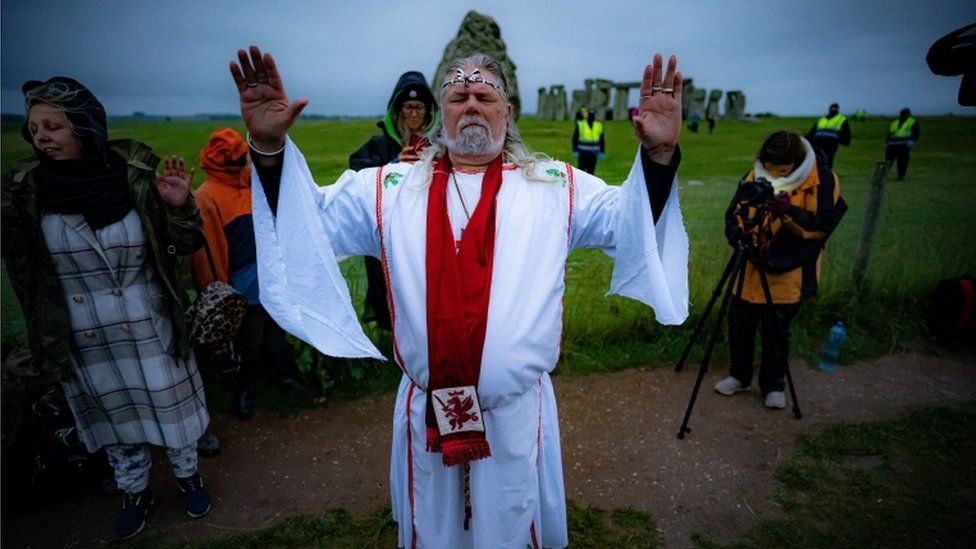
[[902, 136], [588, 142], [829, 132]]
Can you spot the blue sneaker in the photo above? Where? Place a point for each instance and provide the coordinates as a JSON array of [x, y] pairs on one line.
[[135, 509], [197, 497]]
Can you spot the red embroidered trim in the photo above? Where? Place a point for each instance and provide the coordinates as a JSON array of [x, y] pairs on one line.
[[538, 429], [386, 273], [572, 196], [569, 230], [413, 522], [538, 453]]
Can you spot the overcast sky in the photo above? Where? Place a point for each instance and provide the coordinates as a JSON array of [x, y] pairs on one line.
[[789, 57]]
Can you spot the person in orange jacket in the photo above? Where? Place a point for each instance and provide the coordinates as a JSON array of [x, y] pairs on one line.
[[224, 201]]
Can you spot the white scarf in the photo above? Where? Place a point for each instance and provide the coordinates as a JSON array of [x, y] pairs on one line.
[[790, 182]]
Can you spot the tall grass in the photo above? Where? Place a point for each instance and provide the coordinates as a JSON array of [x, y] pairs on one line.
[[925, 230]]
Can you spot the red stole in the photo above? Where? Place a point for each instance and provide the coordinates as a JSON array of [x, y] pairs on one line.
[[458, 288]]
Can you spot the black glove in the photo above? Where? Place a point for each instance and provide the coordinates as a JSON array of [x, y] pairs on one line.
[[779, 203], [735, 237]]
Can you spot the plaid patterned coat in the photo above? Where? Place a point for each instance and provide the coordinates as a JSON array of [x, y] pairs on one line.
[[174, 232], [49, 292]]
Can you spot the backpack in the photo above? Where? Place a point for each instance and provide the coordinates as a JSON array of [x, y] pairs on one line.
[[48, 460], [951, 308]]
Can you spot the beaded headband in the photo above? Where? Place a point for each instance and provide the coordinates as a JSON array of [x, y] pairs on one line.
[[475, 77]]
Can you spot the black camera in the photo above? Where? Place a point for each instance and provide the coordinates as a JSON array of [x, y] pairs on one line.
[[754, 193], [750, 199]]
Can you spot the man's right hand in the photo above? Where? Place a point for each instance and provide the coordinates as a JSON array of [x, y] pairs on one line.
[[264, 106]]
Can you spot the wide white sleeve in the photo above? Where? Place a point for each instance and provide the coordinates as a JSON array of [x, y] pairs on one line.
[[299, 280], [650, 259]]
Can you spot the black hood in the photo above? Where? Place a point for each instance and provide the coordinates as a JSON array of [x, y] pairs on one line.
[[411, 85], [415, 81]]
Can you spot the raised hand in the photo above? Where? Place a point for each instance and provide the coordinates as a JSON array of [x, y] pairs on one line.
[[264, 106], [174, 183], [658, 120]]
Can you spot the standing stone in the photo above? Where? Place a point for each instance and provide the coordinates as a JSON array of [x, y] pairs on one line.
[[596, 96], [579, 102], [711, 111], [480, 34], [687, 90], [735, 105], [557, 102], [542, 111], [621, 92], [697, 104]]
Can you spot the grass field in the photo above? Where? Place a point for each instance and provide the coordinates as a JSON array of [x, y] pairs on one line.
[[925, 231]]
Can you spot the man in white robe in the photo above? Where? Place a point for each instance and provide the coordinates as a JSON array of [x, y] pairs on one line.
[[538, 211]]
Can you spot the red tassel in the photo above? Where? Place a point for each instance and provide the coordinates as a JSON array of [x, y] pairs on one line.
[[433, 440], [456, 451]]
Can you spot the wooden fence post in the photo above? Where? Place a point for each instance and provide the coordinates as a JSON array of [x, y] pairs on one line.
[[875, 194]]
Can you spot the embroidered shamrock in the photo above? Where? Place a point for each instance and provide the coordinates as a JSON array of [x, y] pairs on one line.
[[392, 178], [558, 176]]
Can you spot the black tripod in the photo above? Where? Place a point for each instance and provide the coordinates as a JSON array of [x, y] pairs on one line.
[[744, 251]]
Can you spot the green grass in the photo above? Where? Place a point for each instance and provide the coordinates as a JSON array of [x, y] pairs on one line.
[[589, 527], [902, 483], [925, 234], [334, 528]]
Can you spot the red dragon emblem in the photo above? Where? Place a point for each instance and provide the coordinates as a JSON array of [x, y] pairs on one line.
[[458, 410]]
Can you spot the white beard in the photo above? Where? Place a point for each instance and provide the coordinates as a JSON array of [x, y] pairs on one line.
[[473, 139]]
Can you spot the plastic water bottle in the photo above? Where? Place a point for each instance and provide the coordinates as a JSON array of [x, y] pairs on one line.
[[831, 351]]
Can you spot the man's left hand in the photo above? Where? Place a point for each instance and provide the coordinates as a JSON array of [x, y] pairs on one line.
[[658, 120], [174, 182]]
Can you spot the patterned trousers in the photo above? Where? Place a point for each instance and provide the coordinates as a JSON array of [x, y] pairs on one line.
[[131, 463]]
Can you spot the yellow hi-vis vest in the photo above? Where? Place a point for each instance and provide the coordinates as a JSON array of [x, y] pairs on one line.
[[589, 137], [903, 133], [830, 127]]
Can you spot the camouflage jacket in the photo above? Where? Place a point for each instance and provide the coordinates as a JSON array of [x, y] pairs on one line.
[[170, 233]]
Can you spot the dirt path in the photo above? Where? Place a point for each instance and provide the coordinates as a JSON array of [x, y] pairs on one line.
[[619, 449]]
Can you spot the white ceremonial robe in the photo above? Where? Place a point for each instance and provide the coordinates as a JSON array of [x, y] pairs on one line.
[[517, 494]]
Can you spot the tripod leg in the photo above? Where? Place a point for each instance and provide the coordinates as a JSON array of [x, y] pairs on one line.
[[708, 310], [789, 376], [738, 261], [796, 403]]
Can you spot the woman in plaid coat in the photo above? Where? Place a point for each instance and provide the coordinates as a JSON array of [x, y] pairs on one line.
[[92, 238]]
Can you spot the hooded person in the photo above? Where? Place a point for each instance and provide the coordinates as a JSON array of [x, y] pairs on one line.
[[410, 115], [224, 201], [92, 237]]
